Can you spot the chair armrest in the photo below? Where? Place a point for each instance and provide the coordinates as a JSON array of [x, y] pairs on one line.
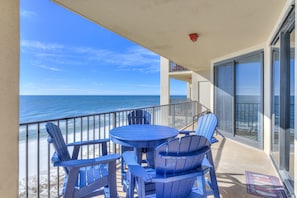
[[135, 169], [186, 132], [206, 163], [139, 171], [89, 142], [213, 140], [130, 158], [88, 162]]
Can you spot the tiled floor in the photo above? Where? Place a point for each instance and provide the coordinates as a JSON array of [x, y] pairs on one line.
[[231, 160]]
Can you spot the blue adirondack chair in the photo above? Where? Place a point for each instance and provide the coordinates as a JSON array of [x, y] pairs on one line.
[[137, 116], [83, 177], [206, 126], [178, 163]]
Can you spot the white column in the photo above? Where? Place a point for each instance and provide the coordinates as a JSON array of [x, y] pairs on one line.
[[189, 91], [164, 90], [164, 81], [9, 97]]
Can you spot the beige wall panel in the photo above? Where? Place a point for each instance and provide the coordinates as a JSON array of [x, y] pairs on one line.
[[9, 98]]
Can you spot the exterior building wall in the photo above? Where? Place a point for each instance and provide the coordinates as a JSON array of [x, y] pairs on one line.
[[201, 90], [9, 98], [267, 87]]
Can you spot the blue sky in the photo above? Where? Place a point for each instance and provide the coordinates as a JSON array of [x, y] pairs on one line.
[[65, 54]]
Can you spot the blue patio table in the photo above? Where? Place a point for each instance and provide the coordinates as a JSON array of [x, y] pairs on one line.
[[142, 136]]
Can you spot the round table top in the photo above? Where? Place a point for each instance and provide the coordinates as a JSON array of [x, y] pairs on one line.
[[142, 135]]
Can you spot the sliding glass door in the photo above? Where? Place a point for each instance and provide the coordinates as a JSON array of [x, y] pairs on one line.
[[283, 92], [239, 98]]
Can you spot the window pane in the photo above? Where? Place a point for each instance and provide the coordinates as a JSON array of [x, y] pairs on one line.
[[248, 115], [224, 89]]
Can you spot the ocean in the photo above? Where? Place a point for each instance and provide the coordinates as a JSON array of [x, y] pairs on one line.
[[39, 108]]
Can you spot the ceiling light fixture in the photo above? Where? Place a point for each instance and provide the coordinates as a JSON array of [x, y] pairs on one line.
[[193, 37]]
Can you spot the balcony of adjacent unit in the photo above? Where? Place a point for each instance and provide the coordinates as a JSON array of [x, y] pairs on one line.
[[179, 72]]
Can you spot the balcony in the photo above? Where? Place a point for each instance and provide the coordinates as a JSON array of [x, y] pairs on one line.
[[38, 178], [179, 72], [176, 68]]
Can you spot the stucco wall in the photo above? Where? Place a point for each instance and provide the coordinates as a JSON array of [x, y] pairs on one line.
[[9, 97], [201, 90]]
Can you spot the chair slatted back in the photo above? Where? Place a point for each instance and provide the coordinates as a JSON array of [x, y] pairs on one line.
[[56, 138], [178, 156], [206, 125], [139, 116]]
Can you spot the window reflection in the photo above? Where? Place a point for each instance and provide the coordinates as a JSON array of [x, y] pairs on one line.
[[249, 97], [224, 92]]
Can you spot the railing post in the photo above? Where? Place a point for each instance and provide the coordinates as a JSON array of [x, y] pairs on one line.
[[114, 125], [153, 117], [188, 112], [173, 115]]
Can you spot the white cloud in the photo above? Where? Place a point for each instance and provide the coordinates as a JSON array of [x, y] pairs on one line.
[[133, 59], [37, 45], [49, 68], [140, 59], [28, 13]]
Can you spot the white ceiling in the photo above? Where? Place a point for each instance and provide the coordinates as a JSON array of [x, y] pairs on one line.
[[224, 26]]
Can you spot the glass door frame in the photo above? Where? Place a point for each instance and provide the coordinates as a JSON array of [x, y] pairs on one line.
[[283, 162]]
